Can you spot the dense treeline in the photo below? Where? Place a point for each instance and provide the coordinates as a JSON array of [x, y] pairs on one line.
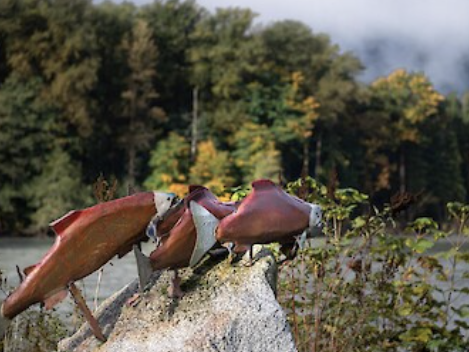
[[167, 94]]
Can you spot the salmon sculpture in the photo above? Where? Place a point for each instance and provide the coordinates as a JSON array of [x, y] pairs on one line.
[[86, 240], [185, 234], [268, 214]]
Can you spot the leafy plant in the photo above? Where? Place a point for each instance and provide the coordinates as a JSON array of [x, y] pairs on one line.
[[366, 287], [34, 331]]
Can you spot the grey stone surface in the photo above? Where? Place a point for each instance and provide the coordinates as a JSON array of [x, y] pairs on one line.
[[225, 308]]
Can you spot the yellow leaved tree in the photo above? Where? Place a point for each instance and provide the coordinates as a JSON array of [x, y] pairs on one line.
[[302, 115], [170, 165], [256, 154], [211, 168], [408, 99]]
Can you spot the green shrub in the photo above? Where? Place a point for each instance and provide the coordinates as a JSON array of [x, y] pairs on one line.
[[367, 286]]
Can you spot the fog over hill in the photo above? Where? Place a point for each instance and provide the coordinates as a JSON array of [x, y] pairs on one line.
[[418, 35], [447, 68]]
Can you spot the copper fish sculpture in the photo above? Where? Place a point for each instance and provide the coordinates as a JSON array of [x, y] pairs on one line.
[[183, 231], [86, 240], [184, 234], [268, 214]]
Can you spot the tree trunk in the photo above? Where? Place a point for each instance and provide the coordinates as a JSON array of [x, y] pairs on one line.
[[305, 171], [131, 141], [317, 166], [131, 166], [467, 177], [402, 170], [195, 107]]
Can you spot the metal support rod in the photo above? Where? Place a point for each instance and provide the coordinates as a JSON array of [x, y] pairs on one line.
[[81, 303]]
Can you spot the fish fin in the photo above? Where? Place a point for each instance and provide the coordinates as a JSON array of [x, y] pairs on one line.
[[315, 216], [301, 239], [193, 188], [229, 246], [205, 225], [144, 268], [65, 221], [262, 183], [128, 246], [55, 299], [29, 269]]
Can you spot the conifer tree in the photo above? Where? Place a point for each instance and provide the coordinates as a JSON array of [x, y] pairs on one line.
[[139, 110], [408, 99], [57, 189], [28, 128]]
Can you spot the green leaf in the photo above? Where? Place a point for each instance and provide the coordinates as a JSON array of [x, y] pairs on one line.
[[423, 245], [457, 210], [405, 310], [358, 222], [421, 224], [410, 242], [462, 311], [417, 334]]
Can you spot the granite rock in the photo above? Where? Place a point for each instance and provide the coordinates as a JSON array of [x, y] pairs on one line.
[[225, 308]]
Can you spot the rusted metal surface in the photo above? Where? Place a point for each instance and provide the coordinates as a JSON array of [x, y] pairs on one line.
[[268, 214], [178, 244], [81, 303], [86, 240]]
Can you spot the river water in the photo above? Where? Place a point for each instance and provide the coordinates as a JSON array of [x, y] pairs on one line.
[[23, 252], [27, 251]]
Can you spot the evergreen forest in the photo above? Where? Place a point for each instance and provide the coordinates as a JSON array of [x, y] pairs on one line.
[[168, 94]]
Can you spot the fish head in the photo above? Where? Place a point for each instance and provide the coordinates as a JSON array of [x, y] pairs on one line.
[[315, 217], [163, 203]]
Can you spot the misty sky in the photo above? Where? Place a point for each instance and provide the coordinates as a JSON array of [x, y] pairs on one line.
[[419, 35]]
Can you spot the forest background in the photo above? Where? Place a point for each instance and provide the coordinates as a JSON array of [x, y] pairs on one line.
[[167, 94]]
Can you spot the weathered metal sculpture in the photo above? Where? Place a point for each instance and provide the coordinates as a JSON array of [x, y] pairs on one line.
[[86, 240], [268, 214], [184, 232]]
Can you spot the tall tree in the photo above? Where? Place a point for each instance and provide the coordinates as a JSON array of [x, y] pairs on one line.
[[444, 177], [458, 110], [54, 40], [327, 74], [56, 190], [111, 22], [139, 110], [173, 23], [409, 99], [224, 58], [256, 154], [303, 114], [169, 164], [28, 130], [212, 168]]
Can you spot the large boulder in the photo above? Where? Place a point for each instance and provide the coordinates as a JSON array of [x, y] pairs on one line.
[[225, 308]]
